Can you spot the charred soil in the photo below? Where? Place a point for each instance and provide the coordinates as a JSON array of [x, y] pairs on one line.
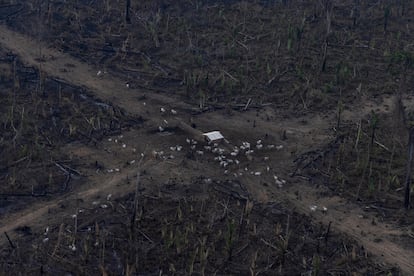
[[102, 169]]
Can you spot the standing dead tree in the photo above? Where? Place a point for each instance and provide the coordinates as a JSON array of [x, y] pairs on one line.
[[400, 128], [409, 168], [355, 13], [127, 8], [327, 7], [405, 61], [136, 198], [406, 124]]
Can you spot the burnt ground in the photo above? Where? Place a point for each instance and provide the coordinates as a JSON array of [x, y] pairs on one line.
[[318, 85]]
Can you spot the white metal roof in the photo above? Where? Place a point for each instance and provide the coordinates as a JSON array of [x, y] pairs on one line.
[[213, 135]]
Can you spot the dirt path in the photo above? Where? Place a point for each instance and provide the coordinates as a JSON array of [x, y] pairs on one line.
[[345, 217], [63, 67]]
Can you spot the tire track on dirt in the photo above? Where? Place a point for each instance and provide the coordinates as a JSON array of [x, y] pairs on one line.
[[113, 90]]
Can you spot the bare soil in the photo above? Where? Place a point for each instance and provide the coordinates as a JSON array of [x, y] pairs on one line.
[[321, 193]]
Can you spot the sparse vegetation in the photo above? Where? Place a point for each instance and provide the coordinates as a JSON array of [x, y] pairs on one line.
[[188, 236], [333, 77]]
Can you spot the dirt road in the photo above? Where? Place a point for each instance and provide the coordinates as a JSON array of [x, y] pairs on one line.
[[376, 238]]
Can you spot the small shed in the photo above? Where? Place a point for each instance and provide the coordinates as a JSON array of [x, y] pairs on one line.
[[213, 136]]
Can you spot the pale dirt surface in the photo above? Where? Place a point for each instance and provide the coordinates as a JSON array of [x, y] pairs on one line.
[[348, 218]]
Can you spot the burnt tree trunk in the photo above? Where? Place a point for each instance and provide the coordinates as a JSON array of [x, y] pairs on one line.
[[127, 8], [409, 167]]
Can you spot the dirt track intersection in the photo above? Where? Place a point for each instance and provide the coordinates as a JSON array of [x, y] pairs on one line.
[[144, 158]]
